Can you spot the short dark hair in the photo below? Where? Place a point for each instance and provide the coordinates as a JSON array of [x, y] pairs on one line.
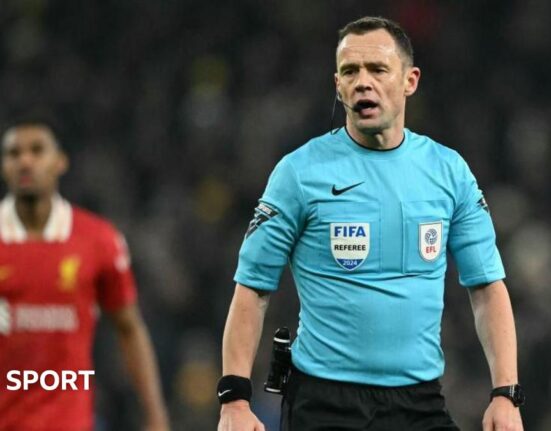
[[372, 23], [34, 120]]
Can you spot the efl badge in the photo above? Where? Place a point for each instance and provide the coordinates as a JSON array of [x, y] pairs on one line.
[[430, 240], [350, 244]]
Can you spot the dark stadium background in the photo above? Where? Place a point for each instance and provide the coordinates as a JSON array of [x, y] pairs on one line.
[[174, 112]]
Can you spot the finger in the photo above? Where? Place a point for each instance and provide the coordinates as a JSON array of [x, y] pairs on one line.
[[260, 427], [488, 425]]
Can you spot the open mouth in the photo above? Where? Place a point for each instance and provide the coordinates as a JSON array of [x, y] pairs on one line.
[[365, 107]]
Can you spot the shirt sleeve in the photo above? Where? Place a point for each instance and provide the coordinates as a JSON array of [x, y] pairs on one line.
[[273, 231], [472, 238], [117, 287]]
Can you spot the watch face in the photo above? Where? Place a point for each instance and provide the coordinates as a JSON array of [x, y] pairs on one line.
[[515, 393], [518, 395]]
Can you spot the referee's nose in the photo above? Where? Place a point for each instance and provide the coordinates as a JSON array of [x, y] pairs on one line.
[[364, 82]]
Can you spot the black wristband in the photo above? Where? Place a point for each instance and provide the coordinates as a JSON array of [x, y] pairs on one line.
[[231, 388]]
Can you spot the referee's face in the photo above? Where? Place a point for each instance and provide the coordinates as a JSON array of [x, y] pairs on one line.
[[373, 80], [31, 161]]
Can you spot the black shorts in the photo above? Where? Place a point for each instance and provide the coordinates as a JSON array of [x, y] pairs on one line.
[[314, 404]]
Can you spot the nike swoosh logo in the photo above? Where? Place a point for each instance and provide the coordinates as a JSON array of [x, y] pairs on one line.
[[224, 392], [337, 192]]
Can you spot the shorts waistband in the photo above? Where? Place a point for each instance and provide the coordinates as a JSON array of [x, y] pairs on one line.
[[300, 375]]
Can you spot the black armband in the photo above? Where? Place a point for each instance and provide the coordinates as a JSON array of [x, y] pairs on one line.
[[232, 388]]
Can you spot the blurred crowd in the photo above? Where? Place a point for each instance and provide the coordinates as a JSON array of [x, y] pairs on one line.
[[174, 112]]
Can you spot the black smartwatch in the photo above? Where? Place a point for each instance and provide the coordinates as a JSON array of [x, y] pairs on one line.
[[513, 392]]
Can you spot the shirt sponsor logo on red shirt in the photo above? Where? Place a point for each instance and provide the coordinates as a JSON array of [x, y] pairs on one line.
[[37, 318]]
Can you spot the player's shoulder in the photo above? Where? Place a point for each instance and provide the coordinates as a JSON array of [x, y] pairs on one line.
[[89, 223]]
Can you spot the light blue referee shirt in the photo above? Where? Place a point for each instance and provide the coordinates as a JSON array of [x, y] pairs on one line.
[[366, 234]]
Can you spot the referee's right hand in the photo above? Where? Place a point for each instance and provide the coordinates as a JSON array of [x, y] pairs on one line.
[[237, 416]]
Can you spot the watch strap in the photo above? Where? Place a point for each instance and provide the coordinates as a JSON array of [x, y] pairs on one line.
[[512, 392]]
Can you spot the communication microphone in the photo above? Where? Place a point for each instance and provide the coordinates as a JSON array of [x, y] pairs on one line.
[[355, 108], [280, 364]]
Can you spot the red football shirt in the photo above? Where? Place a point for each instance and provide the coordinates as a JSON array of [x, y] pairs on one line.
[[49, 293]]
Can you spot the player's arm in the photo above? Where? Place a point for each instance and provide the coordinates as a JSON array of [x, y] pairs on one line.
[[117, 298], [241, 338], [140, 362], [495, 327]]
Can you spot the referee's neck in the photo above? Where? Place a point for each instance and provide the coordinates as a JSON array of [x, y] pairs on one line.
[[386, 139]]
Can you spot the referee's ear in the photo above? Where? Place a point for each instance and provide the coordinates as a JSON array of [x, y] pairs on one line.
[[412, 76]]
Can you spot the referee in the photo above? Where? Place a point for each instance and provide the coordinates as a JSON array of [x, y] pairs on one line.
[[365, 215]]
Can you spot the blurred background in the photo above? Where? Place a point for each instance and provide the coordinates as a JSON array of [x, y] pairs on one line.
[[174, 112]]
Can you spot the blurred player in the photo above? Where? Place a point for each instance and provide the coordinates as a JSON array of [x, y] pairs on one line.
[[365, 215], [57, 263]]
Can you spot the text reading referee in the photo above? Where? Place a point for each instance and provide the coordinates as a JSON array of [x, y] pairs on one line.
[[365, 216]]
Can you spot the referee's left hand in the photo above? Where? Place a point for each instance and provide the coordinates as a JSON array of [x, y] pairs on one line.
[[502, 415]]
